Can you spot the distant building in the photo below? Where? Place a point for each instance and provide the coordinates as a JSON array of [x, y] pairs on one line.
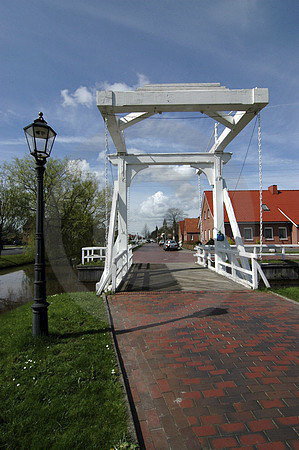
[[189, 230], [280, 216]]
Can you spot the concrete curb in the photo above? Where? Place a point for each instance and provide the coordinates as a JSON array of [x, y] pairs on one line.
[[133, 422]]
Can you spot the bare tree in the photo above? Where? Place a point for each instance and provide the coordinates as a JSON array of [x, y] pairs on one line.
[[145, 232], [173, 216]]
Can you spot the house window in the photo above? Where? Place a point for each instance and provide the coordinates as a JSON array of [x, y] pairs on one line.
[[208, 213], [248, 234], [205, 215], [282, 232], [209, 234], [204, 234], [191, 237], [268, 233]]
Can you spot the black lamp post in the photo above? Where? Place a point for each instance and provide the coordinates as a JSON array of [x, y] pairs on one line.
[[40, 138]]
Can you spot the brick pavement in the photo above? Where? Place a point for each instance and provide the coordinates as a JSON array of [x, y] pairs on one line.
[[210, 369]]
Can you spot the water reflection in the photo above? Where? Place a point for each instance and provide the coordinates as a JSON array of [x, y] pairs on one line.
[[16, 285]]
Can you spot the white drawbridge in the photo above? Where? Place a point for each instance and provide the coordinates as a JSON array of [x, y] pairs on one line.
[[232, 108]]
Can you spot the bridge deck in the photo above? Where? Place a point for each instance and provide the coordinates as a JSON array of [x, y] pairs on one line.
[[157, 270]]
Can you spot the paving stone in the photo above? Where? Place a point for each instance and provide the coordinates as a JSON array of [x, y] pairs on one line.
[[230, 428], [293, 420], [159, 439], [261, 425], [252, 439], [205, 430], [282, 434], [189, 394], [278, 445], [224, 442]]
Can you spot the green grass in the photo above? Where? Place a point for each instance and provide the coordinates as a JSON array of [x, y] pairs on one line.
[[61, 391], [291, 292], [15, 260]]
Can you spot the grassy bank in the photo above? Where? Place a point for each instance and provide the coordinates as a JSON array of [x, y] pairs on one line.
[[15, 260], [62, 391], [291, 292]]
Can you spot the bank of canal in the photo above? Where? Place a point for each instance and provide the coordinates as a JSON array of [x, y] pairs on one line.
[[16, 284]]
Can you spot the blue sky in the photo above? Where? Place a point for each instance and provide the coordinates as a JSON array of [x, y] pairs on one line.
[[55, 55]]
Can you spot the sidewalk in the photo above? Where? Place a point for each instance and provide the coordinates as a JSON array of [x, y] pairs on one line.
[[210, 369]]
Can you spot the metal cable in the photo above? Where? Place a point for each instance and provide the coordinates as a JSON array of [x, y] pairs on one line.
[[259, 138], [106, 182]]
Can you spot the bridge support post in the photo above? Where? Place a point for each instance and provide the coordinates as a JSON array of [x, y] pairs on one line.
[[218, 185], [122, 239]]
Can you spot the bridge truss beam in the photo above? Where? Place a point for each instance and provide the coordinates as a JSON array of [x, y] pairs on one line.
[[232, 108]]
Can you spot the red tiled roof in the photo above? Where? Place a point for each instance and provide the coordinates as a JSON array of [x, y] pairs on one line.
[[189, 225], [181, 225], [192, 225], [246, 205]]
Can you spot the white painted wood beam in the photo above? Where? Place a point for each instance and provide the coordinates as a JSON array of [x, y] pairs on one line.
[[116, 133], [225, 119], [178, 159], [243, 118], [182, 100], [132, 118], [100, 286]]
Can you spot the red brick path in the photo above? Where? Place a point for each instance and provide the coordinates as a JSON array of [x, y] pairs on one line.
[[210, 378], [152, 253]]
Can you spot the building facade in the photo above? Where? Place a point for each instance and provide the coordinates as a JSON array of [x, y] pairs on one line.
[[189, 230], [280, 216]]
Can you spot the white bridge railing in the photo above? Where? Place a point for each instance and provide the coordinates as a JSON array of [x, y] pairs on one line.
[[279, 250], [120, 266], [112, 277], [229, 265], [90, 254]]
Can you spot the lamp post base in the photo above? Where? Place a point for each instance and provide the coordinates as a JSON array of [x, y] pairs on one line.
[[40, 319]]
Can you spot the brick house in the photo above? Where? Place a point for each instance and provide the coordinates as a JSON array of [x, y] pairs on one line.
[[280, 216], [189, 230]]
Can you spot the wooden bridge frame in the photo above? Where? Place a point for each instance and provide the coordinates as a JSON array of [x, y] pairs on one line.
[[232, 108]]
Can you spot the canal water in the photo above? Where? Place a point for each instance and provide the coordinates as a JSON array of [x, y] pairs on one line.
[[16, 284]]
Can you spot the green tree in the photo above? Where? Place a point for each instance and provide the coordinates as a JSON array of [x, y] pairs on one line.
[[74, 204], [6, 216]]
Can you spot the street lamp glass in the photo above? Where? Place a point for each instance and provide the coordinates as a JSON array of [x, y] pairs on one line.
[[40, 138]]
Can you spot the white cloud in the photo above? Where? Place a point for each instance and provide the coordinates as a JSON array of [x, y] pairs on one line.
[[82, 96], [115, 87], [85, 96], [101, 156], [8, 116], [153, 209], [120, 86], [85, 168], [155, 206], [185, 191], [142, 80], [70, 139], [164, 174], [19, 141]]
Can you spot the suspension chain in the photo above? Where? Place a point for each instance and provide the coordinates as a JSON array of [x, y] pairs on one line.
[[200, 206], [261, 184], [128, 208], [106, 182]]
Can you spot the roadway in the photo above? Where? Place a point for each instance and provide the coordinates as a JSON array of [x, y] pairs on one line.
[[155, 269]]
